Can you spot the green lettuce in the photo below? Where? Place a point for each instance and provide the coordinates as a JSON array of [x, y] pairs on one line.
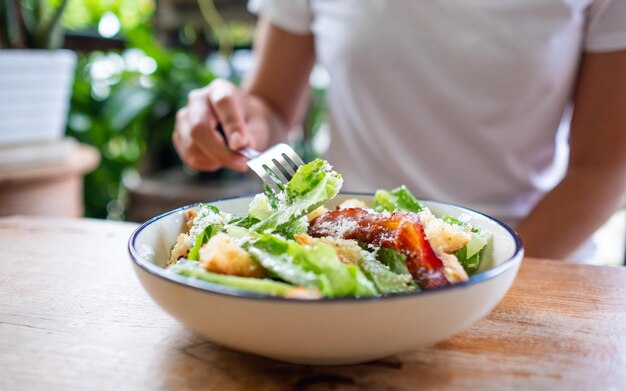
[[313, 184], [398, 199], [201, 239], [273, 219], [316, 266], [298, 226], [470, 255], [277, 258], [385, 280], [242, 221], [260, 207], [262, 286], [394, 260], [207, 223]]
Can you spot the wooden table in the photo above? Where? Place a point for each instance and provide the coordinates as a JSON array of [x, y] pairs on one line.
[[73, 316]]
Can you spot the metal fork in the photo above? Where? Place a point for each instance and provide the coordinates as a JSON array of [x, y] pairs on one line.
[[278, 163]]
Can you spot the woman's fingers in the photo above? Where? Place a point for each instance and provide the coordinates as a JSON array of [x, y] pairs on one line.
[[212, 143], [184, 144], [198, 160], [195, 137], [198, 144], [227, 105]]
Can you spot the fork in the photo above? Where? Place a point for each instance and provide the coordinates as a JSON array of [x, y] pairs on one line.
[[277, 164]]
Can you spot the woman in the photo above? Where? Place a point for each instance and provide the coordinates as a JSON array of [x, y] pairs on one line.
[[465, 102]]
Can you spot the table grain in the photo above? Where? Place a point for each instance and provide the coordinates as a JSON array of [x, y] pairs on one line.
[[74, 316]]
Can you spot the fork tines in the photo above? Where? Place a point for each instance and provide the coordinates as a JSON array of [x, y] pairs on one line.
[[276, 165]]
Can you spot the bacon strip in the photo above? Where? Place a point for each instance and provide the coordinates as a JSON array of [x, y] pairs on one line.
[[401, 231]]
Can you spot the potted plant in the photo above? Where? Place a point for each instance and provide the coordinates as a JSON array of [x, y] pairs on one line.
[[35, 74]]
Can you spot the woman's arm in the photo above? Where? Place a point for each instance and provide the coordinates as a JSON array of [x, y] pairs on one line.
[[257, 116], [281, 75], [594, 185]]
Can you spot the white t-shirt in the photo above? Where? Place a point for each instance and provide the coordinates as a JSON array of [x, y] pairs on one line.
[[459, 100]]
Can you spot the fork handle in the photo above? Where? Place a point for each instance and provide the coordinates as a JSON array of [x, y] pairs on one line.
[[249, 153]]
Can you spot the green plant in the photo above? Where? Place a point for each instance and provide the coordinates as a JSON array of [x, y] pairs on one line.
[[31, 24], [129, 112], [146, 105], [86, 14]]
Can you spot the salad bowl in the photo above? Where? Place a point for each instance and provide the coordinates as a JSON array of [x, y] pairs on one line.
[[327, 331]]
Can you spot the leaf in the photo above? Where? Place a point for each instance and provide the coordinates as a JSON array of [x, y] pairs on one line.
[[469, 255], [313, 184], [142, 38], [393, 259], [262, 286], [126, 104], [201, 239], [243, 221], [316, 266], [385, 280], [397, 199]]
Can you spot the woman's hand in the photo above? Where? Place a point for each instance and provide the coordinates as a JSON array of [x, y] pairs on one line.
[[258, 116], [244, 119]]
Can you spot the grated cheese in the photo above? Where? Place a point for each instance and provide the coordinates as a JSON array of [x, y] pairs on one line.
[[204, 218], [337, 228]]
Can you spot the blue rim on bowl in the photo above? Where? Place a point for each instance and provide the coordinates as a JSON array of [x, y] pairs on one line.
[[214, 288]]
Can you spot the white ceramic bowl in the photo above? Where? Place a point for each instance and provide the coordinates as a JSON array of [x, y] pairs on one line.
[[326, 331]]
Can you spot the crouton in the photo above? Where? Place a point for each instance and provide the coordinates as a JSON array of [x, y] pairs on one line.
[[353, 203], [316, 213], [191, 215], [443, 237], [180, 249], [348, 251], [222, 255], [452, 268]]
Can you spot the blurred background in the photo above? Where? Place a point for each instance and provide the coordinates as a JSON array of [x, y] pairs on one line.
[[103, 80], [135, 62]]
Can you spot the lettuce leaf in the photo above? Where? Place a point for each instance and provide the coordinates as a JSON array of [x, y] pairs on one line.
[[209, 221], [313, 184], [398, 199], [282, 260], [260, 207], [470, 255], [201, 239], [299, 226], [262, 286], [315, 266], [385, 280], [243, 222], [394, 260]]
